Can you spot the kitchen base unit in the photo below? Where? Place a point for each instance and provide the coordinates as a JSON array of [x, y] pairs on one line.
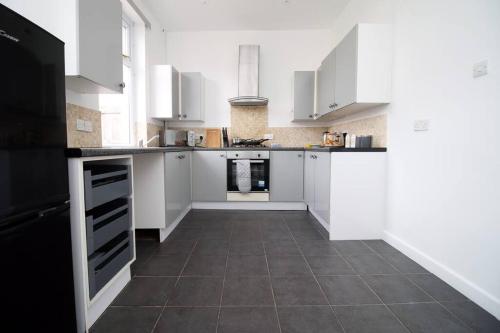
[[346, 193], [162, 183], [102, 232]]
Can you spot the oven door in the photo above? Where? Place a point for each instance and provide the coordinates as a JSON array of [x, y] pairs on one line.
[[259, 170]]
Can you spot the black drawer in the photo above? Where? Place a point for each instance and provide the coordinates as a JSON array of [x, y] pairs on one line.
[[105, 183], [108, 261], [106, 222]]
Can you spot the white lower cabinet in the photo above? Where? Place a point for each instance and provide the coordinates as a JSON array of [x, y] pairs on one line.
[[209, 176], [287, 176], [177, 184], [317, 184]]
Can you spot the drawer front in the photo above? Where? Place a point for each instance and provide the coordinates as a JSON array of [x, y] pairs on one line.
[[104, 228], [104, 266], [103, 188]]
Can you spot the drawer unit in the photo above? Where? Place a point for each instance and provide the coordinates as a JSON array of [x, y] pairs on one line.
[[105, 263], [106, 222], [104, 183]]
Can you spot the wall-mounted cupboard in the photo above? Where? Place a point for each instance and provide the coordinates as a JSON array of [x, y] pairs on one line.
[[92, 33], [177, 96], [356, 75], [303, 83]]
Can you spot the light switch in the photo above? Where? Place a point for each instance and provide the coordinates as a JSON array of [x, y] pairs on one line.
[[88, 126], [480, 69], [80, 125], [421, 125]]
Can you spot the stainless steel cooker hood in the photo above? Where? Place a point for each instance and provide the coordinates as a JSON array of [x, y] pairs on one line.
[[248, 78]]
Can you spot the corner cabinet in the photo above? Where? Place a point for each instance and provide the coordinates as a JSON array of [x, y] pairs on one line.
[[356, 75], [303, 84], [92, 33], [209, 176], [317, 185], [326, 86], [287, 176]]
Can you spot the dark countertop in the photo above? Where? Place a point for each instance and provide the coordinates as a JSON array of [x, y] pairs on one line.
[[91, 152]]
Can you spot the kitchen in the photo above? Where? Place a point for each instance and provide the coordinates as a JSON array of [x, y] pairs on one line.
[[266, 168]]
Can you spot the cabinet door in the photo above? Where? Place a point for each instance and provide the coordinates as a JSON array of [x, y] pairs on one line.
[[309, 179], [322, 185], [186, 179], [287, 176], [173, 187], [303, 95], [192, 96], [326, 85], [209, 176], [346, 70], [100, 42]]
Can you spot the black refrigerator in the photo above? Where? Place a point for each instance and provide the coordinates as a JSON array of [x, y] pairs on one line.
[[36, 272]]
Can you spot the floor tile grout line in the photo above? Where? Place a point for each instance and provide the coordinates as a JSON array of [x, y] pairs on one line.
[[271, 282], [175, 284], [378, 296], [316, 279], [224, 279], [418, 287]]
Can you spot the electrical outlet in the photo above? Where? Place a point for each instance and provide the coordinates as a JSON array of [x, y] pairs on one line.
[[88, 126], [268, 136], [80, 125], [480, 69], [421, 125]]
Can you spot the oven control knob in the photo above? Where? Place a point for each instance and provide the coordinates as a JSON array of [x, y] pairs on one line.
[[258, 155], [237, 155]]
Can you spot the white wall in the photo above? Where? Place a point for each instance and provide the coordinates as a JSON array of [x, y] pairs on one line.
[[215, 54], [444, 184]]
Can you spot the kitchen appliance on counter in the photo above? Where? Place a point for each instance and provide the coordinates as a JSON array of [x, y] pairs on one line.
[[36, 284], [259, 175], [333, 139], [173, 138], [225, 137]]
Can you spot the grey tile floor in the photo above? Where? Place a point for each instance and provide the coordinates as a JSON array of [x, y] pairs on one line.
[[248, 271]]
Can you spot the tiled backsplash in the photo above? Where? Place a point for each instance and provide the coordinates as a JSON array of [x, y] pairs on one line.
[[375, 126], [251, 122], [93, 139], [79, 138]]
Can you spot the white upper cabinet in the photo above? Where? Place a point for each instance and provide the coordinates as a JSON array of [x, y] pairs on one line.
[[303, 95], [192, 96], [92, 33], [164, 92], [361, 73], [326, 86]]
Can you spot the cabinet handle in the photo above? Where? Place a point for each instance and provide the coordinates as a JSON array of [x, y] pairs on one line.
[[310, 116], [222, 155], [184, 116], [179, 116], [299, 155], [122, 85]]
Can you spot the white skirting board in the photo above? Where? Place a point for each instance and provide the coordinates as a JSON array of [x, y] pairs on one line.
[[323, 223], [164, 232], [250, 205], [487, 301]]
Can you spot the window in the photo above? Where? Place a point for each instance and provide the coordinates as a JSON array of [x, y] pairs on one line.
[[116, 118]]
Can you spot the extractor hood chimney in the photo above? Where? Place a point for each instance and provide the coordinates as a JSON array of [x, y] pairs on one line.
[[248, 78]]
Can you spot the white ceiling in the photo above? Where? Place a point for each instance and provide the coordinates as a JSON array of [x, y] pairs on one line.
[[201, 15]]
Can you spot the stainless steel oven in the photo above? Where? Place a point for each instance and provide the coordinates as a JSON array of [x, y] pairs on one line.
[[259, 175]]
